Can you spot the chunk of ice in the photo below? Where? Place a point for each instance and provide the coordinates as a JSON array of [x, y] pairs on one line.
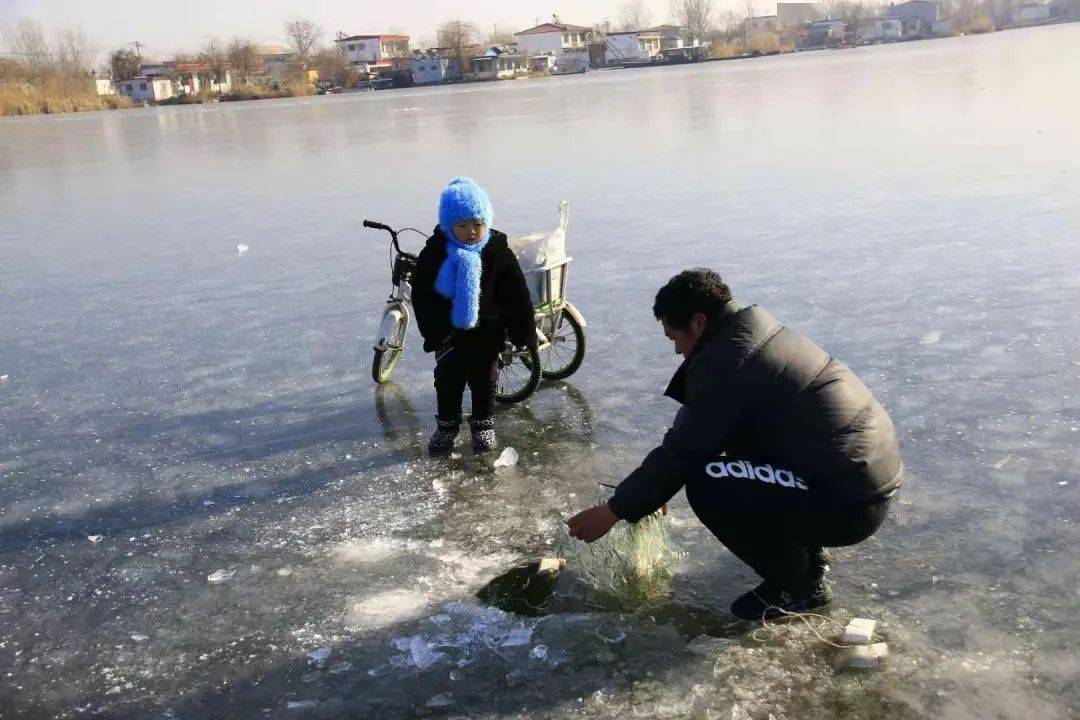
[[930, 338], [518, 637], [421, 654], [3, 379], [301, 705], [551, 565], [508, 458], [95, 538], [866, 657], [219, 576], [859, 630], [707, 646], [320, 655], [241, 249], [441, 700]]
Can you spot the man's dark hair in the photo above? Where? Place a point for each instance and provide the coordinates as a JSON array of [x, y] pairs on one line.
[[692, 291]]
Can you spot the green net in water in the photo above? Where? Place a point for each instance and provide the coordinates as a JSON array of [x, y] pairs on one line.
[[633, 564]]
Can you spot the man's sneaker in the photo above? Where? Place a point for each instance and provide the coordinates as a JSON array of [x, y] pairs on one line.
[[444, 436], [483, 434], [768, 602]]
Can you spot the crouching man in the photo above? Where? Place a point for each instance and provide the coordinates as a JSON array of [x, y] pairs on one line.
[[783, 450]]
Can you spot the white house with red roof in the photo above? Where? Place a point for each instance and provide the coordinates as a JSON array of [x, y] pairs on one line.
[[375, 49], [553, 37]]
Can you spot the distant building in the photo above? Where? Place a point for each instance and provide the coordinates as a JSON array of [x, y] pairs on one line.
[[375, 49], [877, 30], [797, 14], [554, 38], [105, 86], [192, 77], [542, 63], [763, 23], [431, 67], [641, 46], [274, 60], [919, 16], [150, 89], [498, 64], [825, 33], [928, 10], [671, 36]]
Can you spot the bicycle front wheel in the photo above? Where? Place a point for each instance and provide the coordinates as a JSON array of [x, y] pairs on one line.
[[390, 344], [565, 350], [519, 374]]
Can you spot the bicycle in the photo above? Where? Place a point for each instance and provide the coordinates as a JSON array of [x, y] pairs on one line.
[[518, 368], [560, 326]]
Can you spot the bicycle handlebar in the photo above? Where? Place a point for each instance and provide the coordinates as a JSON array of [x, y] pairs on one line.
[[379, 226]]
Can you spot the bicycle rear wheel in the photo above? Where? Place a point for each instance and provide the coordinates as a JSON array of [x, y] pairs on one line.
[[390, 344], [566, 345], [519, 374]]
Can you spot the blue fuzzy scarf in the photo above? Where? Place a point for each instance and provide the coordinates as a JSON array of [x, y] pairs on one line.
[[459, 280]]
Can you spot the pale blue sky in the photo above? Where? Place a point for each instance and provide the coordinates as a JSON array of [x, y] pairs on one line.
[[166, 27]]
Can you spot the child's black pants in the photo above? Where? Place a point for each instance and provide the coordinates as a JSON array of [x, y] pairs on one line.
[[457, 367]]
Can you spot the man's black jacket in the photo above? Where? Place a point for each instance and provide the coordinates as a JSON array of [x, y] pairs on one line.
[[762, 392]]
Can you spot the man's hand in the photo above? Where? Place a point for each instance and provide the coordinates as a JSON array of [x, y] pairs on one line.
[[592, 524]]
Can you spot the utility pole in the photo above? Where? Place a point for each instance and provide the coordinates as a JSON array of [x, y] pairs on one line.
[[138, 49]]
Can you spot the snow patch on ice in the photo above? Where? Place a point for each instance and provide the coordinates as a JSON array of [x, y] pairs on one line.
[[385, 609], [219, 576]]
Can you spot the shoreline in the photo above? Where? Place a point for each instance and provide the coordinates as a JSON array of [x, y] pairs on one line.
[[107, 103]]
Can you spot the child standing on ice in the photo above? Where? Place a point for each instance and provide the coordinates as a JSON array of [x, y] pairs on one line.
[[469, 294]]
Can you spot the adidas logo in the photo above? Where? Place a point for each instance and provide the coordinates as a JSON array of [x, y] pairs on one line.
[[764, 473]]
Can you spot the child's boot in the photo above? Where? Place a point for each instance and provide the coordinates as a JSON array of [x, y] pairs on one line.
[[445, 434], [483, 434]]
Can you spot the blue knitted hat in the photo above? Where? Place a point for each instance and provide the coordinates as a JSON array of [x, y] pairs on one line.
[[463, 199]]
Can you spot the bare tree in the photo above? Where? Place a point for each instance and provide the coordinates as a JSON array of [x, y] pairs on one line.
[[73, 52], [242, 57], [633, 16], [695, 16], [212, 52], [124, 64], [460, 37], [334, 68], [26, 41], [304, 36]]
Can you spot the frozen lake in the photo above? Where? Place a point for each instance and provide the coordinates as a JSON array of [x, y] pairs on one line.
[[175, 411]]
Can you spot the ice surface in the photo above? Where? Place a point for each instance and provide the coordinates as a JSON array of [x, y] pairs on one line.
[[199, 414]]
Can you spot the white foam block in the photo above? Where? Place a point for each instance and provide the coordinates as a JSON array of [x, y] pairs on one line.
[[859, 630], [866, 657]]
